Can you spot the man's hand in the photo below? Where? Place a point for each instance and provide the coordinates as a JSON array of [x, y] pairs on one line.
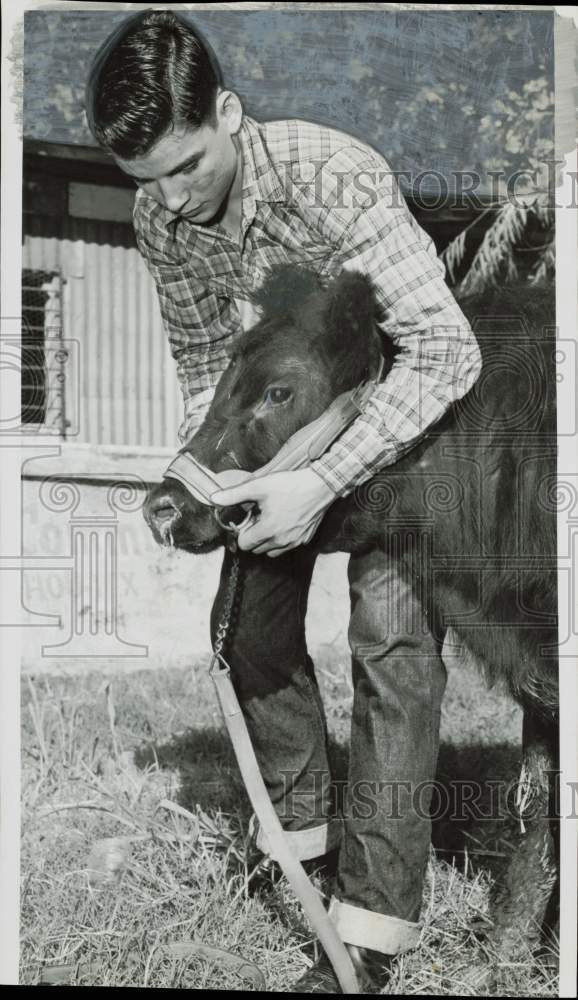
[[292, 505]]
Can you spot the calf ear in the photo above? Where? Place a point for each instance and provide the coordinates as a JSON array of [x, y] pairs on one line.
[[285, 289], [350, 311]]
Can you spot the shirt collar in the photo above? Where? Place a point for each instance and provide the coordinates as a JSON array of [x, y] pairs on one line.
[[260, 179]]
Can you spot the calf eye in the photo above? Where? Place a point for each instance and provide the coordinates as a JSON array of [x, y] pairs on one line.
[[277, 394]]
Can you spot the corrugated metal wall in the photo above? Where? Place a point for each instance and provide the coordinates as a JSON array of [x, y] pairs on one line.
[[125, 379]]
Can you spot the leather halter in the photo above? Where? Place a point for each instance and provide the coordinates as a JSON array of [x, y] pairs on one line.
[[300, 450]]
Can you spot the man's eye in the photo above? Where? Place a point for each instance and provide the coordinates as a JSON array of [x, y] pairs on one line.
[[277, 394], [190, 168]]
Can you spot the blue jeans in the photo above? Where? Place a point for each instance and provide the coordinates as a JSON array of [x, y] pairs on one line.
[[399, 679]]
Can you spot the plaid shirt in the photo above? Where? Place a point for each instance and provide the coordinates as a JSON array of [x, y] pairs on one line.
[[316, 197]]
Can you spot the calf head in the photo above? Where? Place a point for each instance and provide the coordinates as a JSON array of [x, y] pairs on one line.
[[310, 345]]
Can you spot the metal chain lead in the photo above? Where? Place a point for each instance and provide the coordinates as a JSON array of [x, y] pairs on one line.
[[229, 607]]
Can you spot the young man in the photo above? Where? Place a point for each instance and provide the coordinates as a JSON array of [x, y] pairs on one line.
[[221, 200]]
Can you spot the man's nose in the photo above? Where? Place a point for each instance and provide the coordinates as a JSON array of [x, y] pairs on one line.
[[174, 194]]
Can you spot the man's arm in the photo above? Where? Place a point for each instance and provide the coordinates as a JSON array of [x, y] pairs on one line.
[[438, 361], [198, 325]]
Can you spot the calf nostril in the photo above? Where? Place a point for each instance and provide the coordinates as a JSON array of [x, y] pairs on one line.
[[165, 513], [165, 528], [162, 517]]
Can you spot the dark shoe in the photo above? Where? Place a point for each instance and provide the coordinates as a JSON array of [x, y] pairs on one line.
[[372, 969]]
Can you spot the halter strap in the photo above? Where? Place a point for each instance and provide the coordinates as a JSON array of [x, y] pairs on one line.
[[299, 451]]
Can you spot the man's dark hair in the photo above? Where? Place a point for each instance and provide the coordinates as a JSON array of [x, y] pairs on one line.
[[153, 72]]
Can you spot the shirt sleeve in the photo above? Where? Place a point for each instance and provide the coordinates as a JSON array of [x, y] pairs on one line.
[[439, 359], [198, 323]]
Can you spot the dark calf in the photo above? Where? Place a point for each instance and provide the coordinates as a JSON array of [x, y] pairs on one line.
[[469, 514], [284, 373]]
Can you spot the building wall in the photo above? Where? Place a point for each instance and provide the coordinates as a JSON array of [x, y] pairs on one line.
[[121, 385]]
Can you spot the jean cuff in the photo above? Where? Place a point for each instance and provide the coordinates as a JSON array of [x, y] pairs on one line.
[[312, 842], [378, 931]]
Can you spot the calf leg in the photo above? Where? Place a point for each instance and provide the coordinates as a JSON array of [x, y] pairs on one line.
[[524, 896]]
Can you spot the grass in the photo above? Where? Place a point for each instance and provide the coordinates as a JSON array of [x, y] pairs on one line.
[[135, 836]]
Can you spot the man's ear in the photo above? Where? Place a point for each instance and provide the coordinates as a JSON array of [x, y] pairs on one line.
[[350, 309], [229, 110]]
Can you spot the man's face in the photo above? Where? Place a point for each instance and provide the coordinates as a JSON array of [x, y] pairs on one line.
[[191, 171]]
